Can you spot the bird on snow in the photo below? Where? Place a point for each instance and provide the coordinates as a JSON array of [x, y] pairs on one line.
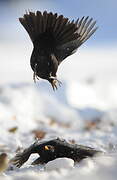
[[54, 38], [52, 149]]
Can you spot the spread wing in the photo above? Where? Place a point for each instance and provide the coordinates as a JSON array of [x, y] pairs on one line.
[[56, 33], [85, 29]]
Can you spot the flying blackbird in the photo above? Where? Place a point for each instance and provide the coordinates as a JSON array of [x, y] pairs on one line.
[[54, 38], [52, 149]]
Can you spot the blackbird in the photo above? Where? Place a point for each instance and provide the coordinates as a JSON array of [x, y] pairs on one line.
[[54, 38], [52, 149]]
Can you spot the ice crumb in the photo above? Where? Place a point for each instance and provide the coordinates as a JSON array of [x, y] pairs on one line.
[[59, 163]]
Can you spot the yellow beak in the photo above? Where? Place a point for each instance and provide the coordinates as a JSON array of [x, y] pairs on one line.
[[46, 148]]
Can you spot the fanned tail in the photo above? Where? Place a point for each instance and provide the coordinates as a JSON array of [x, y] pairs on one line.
[[56, 33], [60, 28]]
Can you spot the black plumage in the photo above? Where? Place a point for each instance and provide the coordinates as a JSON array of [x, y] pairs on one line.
[[52, 149], [54, 38]]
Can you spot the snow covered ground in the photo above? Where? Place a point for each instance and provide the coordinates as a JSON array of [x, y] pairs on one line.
[[83, 110]]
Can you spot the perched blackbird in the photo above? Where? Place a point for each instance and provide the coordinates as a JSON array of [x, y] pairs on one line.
[[52, 149], [54, 38]]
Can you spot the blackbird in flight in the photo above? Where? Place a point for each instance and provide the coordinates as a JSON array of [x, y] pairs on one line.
[[54, 38]]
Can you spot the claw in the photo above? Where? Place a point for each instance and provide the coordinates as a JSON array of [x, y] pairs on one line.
[[59, 83], [54, 83], [35, 75], [54, 86]]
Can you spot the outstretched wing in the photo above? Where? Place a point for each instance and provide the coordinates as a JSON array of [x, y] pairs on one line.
[[56, 33], [21, 157], [85, 28]]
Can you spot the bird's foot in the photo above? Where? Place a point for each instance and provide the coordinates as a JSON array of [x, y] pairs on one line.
[[34, 74], [54, 83], [35, 77]]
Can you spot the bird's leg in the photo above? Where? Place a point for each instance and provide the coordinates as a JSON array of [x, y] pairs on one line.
[[35, 77], [34, 74], [54, 86], [59, 82], [54, 82]]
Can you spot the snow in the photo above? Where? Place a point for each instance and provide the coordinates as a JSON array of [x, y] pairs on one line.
[[83, 110], [59, 163]]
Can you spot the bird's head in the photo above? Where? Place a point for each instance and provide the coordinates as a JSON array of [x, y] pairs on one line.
[[49, 148], [52, 149], [47, 152]]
